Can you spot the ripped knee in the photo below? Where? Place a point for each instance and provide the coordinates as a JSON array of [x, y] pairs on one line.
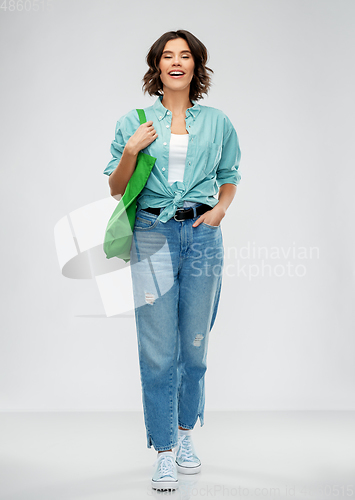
[[149, 298], [198, 339]]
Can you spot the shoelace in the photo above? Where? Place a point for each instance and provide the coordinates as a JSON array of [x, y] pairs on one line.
[[185, 450], [166, 466]]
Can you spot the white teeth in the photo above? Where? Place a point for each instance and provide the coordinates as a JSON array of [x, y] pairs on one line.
[[176, 73]]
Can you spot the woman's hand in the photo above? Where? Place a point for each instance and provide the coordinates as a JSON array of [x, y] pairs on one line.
[[212, 217], [142, 137]]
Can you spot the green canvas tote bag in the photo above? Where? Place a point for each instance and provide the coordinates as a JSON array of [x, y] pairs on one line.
[[119, 231]]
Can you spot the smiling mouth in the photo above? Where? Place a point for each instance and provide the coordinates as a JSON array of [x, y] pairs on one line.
[[173, 75]]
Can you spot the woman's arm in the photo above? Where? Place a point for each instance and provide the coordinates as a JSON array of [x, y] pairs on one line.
[[142, 137], [214, 216], [119, 178]]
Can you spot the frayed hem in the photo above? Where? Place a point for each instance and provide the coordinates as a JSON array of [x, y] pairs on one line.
[[186, 426], [165, 448]]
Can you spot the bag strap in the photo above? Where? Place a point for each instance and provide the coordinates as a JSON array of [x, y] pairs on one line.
[[141, 115]]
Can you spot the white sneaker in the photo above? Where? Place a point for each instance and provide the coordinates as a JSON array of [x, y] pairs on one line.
[[165, 475], [186, 459]]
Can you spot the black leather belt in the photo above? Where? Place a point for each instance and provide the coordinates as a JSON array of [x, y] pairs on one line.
[[183, 213]]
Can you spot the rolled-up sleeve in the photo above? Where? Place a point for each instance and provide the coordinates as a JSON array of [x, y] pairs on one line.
[[117, 147], [228, 167]]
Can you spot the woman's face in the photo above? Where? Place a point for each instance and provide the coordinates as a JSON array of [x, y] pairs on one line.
[[176, 56]]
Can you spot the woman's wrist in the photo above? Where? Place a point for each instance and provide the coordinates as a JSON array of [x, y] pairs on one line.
[[130, 150], [220, 209]]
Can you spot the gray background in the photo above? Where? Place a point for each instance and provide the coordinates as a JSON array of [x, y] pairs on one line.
[[284, 74]]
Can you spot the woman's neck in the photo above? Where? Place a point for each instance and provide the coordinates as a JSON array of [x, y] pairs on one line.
[[176, 102]]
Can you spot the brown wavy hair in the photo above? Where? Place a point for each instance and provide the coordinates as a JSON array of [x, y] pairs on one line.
[[201, 81]]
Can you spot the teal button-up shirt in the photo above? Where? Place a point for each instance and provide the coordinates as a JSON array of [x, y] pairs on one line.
[[212, 158]]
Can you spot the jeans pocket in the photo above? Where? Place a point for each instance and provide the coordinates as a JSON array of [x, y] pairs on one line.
[[145, 220], [209, 225]]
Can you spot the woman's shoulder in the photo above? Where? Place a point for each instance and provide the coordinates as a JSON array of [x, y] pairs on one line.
[[129, 120], [211, 110], [216, 113]]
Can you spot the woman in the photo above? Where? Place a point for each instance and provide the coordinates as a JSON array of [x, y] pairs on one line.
[[177, 248]]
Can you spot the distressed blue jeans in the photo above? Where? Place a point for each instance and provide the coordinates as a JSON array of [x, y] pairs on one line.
[[176, 274]]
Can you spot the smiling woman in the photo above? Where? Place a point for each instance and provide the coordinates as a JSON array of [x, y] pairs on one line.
[[175, 287], [177, 65], [165, 55]]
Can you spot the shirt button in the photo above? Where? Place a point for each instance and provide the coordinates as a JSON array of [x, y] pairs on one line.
[[168, 112], [163, 169], [164, 143], [189, 163], [167, 126]]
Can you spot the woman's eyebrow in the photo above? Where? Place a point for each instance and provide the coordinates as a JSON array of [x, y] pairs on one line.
[[166, 51]]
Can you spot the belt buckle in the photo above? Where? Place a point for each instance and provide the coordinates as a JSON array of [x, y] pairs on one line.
[[178, 210], [183, 211]]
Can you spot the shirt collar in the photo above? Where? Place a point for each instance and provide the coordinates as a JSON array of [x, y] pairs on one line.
[[161, 110]]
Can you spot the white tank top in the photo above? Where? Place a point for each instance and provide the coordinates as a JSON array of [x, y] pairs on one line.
[[177, 157], [177, 160]]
